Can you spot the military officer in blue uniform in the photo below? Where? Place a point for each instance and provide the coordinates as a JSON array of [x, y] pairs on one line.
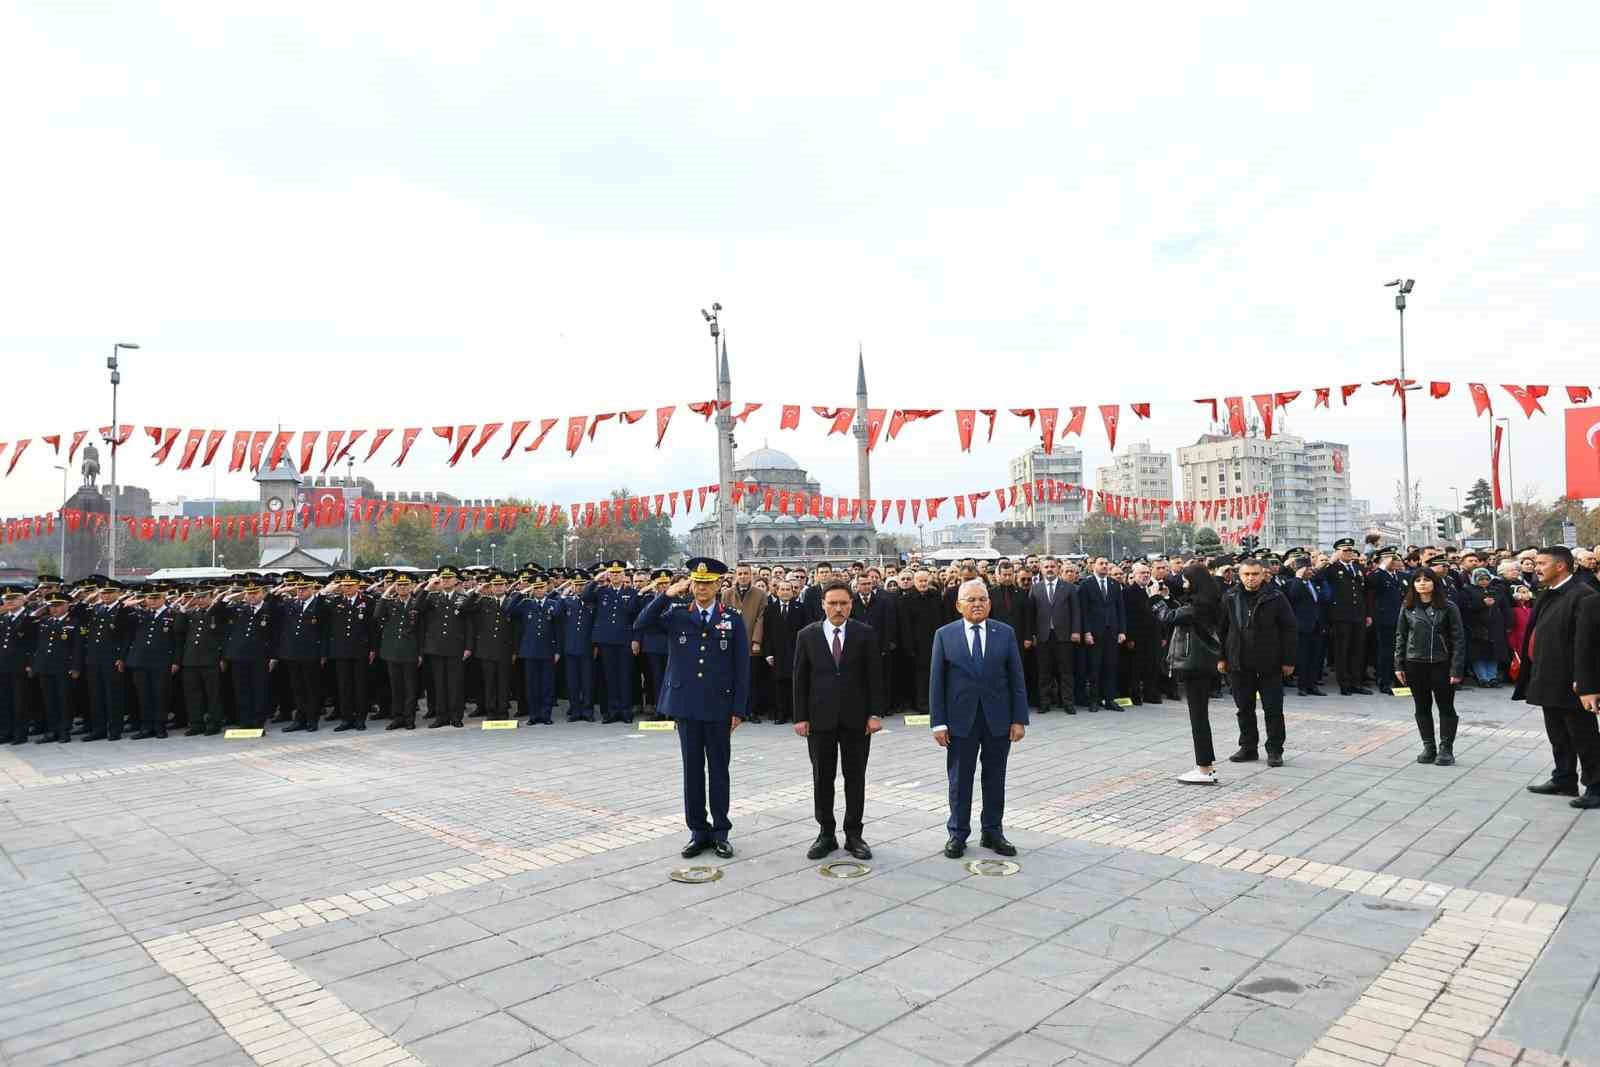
[[250, 623], [536, 610], [153, 659], [109, 620], [707, 689], [57, 662], [614, 607], [350, 637], [577, 628], [653, 645], [17, 629]]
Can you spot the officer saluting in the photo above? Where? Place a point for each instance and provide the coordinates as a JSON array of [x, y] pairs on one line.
[[57, 662], [706, 689]]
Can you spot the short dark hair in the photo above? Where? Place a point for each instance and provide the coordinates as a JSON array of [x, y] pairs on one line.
[[834, 586], [1560, 553]]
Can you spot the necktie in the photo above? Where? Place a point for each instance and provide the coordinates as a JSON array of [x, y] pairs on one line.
[[838, 649], [1103, 590], [705, 618], [977, 644]]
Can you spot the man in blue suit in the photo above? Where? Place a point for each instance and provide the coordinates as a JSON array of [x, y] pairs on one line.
[[1104, 630], [1307, 598], [979, 706], [706, 689]]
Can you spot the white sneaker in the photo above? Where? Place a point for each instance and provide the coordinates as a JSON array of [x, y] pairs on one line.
[[1198, 777]]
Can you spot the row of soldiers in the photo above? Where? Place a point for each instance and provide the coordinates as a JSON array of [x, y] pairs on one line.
[[256, 648]]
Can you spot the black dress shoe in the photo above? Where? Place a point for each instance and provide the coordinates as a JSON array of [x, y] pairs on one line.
[[1274, 759], [1387, 691], [458, 724], [361, 724], [1111, 705], [1306, 693], [395, 724], [1091, 708], [954, 849], [998, 843], [722, 849], [1314, 691], [857, 848], [96, 736], [1361, 690], [1244, 755], [822, 846], [1552, 789], [311, 729], [294, 727], [694, 848], [142, 736], [193, 731], [162, 734], [436, 723], [411, 724], [1588, 800], [211, 731], [342, 727]]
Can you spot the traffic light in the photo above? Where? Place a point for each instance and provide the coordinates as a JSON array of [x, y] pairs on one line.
[[1443, 526], [1250, 541]]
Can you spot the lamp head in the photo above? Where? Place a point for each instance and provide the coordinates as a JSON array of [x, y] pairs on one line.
[[1395, 282], [1406, 288]]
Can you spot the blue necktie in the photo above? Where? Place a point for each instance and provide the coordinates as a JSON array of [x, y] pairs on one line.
[[977, 645]]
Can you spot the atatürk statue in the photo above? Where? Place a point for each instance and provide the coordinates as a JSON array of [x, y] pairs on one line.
[[91, 466]]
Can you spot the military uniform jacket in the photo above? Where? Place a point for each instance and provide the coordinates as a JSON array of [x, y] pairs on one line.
[[300, 636], [58, 647], [653, 642], [109, 626], [349, 626], [493, 636], [157, 638], [708, 663], [248, 632], [614, 613], [1349, 589], [538, 624], [202, 639], [1388, 593], [446, 621], [17, 630], [399, 626], [577, 626]]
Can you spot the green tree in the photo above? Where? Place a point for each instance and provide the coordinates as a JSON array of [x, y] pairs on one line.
[[1206, 540], [1107, 535], [1480, 506]]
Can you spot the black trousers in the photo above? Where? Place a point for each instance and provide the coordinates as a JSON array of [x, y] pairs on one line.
[[760, 688], [921, 675], [447, 688], [1349, 640], [305, 686], [106, 704], [830, 750], [1055, 673], [251, 691], [1245, 686], [1103, 666], [1197, 691], [1383, 657], [1430, 685], [1574, 741], [350, 675], [58, 712], [496, 688], [151, 687], [1308, 659], [13, 716], [402, 690], [783, 700], [655, 673], [202, 695]]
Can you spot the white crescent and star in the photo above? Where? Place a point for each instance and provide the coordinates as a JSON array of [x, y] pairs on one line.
[[1589, 437]]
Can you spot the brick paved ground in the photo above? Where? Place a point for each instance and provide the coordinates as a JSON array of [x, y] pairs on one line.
[[467, 897]]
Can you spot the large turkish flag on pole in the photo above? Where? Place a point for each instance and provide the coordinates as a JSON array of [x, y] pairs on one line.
[[1583, 453]]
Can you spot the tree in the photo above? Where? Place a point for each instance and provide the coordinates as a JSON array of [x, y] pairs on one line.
[[1174, 535], [1206, 540], [656, 543], [1106, 535], [1480, 506]]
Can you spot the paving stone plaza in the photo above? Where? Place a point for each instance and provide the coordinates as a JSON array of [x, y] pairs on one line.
[[464, 897]]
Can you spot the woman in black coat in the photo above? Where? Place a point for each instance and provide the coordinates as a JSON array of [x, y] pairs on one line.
[[1195, 626]]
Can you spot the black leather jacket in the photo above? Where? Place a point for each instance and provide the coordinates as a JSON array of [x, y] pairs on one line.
[[1431, 634]]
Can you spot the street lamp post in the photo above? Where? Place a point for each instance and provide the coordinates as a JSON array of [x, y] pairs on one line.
[[1457, 490], [111, 441], [62, 571], [1511, 484], [349, 483], [1405, 437], [491, 553]]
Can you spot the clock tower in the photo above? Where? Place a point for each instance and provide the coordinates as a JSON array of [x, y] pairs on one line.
[[280, 493]]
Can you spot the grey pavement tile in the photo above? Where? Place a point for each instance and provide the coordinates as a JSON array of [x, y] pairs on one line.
[[1255, 1023], [1235, 936], [346, 961], [729, 949], [926, 971], [1330, 957], [865, 1003], [1103, 1030], [526, 979], [487, 1041], [398, 981], [1011, 999], [719, 1005], [436, 936], [643, 1036], [811, 919], [712, 1054], [1163, 919], [410, 1020], [1150, 992], [1037, 919], [1308, 992], [1206, 965], [790, 1035], [857, 947], [655, 978], [475, 958], [1031, 1050], [1099, 937], [794, 975], [1186, 1048], [984, 944], [574, 1008], [874, 1052], [604, 953], [945, 1037], [1062, 967]]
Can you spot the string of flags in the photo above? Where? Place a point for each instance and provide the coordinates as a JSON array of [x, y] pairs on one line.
[[201, 447], [1245, 511]]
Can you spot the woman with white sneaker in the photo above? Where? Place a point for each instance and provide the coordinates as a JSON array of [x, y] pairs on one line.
[[1193, 656]]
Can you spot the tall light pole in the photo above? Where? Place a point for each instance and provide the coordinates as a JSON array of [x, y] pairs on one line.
[[349, 483], [491, 553], [116, 380], [1405, 437], [1511, 484], [62, 571], [1457, 490], [727, 523]]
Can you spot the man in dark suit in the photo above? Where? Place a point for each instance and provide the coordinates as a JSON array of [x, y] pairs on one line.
[[1386, 587], [1305, 598], [153, 660], [1554, 674], [838, 706], [1348, 618], [879, 610], [783, 619], [979, 704], [1104, 630], [1053, 628]]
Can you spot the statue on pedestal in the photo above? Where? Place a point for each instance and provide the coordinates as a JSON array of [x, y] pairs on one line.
[[91, 466]]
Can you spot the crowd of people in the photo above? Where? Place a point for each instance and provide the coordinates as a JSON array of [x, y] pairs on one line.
[[102, 659]]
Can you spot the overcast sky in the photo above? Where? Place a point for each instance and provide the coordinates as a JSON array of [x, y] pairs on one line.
[[341, 215]]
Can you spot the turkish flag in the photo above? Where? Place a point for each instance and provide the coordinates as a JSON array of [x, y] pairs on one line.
[[258, 447], [1438, 390], [875, 417], [1264, 404], [1235, 415], [1346, 392], [1074, 422], [545, 426], [463, 438], [991, 412], [1047, 427], [77, 439], [191, 445], [1578, 394], [379, 436], [1212, 403], [964, 420], [489, 430], [408, 437], [1480, 398], [1338, 461], [1025, 413], [575, 425], [308, 445], [1528, 396], [598, 419], [518, 427], [1583, 453], [1322, 397], [663, 417], [1494, 458], [790, 420], [1140, 410]]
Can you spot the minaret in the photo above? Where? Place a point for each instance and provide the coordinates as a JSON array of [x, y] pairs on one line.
[[727, 525], [863, 463]]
